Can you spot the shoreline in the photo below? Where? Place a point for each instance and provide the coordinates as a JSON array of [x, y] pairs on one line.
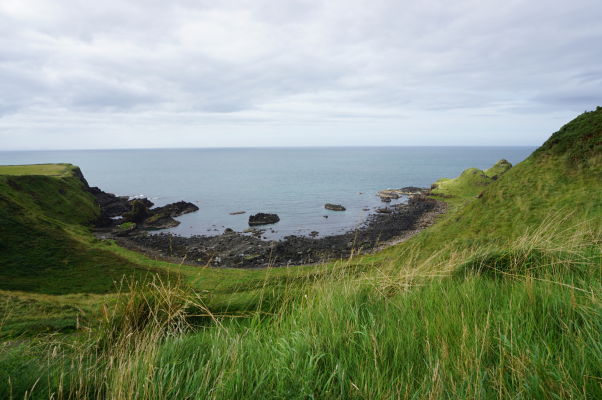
[[238, 250]]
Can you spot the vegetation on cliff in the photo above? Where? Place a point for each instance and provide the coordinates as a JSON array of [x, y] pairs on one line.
[[499, 299]]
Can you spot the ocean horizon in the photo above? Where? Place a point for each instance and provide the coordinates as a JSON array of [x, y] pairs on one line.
[[293, 182]]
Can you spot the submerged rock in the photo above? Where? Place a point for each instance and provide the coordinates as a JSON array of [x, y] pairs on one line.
[[334, 207], [263, 219]]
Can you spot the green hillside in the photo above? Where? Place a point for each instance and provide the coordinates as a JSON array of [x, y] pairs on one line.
[[45, 245], [499, 299]]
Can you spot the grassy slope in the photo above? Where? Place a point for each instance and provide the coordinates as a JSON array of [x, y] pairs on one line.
[[499, 299], [47, 254], [44, 242]]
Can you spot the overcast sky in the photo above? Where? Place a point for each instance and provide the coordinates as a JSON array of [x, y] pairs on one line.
[[190, 73]]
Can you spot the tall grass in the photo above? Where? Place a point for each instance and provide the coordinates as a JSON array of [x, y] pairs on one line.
[[519, 321]]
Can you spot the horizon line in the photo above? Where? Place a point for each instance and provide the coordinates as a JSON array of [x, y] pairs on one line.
[[266, 147]]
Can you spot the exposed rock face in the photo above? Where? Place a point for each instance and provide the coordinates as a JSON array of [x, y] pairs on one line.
[[138, 213], [388, 194], [176, 209], [263, 219], [334, 207], [111, 205], [160, 221]]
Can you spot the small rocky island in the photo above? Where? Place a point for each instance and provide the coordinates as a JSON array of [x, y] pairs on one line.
[[123, 216], [263, 219]]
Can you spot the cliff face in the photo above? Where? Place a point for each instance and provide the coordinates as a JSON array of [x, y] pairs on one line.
[[61, 196]]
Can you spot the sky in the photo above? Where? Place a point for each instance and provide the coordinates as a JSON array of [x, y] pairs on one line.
[[193, 73]]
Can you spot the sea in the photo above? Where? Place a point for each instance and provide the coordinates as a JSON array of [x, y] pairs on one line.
[[294, 183]]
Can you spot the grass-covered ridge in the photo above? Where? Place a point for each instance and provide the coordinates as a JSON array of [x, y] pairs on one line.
[[499, 299], [45, 241], [60, 170]]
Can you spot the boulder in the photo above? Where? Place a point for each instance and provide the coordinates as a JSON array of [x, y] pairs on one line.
[[334, 207], [263, 219], [384, 210]]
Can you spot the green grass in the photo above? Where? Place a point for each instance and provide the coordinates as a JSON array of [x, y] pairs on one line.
[[499, 299], [498, 169], [469, 184], [61, 170], [45, 246]]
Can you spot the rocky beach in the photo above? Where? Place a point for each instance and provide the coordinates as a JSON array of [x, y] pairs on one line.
[[131, 223]]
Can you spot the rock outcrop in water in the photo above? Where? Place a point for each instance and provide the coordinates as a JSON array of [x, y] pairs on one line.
[[263, 219], [137, 215], [392, 194], [334, 207]]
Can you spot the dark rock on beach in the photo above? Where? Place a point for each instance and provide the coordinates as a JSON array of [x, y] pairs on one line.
[[263, 219], [334, 207]]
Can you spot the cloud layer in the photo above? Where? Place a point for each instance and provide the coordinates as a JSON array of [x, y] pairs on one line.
[[78, 74]]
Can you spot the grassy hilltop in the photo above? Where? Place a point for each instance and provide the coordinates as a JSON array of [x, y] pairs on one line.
[[499, 299]]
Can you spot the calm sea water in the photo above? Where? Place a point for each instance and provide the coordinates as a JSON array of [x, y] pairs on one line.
[[292, 182]]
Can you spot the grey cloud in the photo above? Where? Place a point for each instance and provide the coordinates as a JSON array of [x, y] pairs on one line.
[[396, 65]]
